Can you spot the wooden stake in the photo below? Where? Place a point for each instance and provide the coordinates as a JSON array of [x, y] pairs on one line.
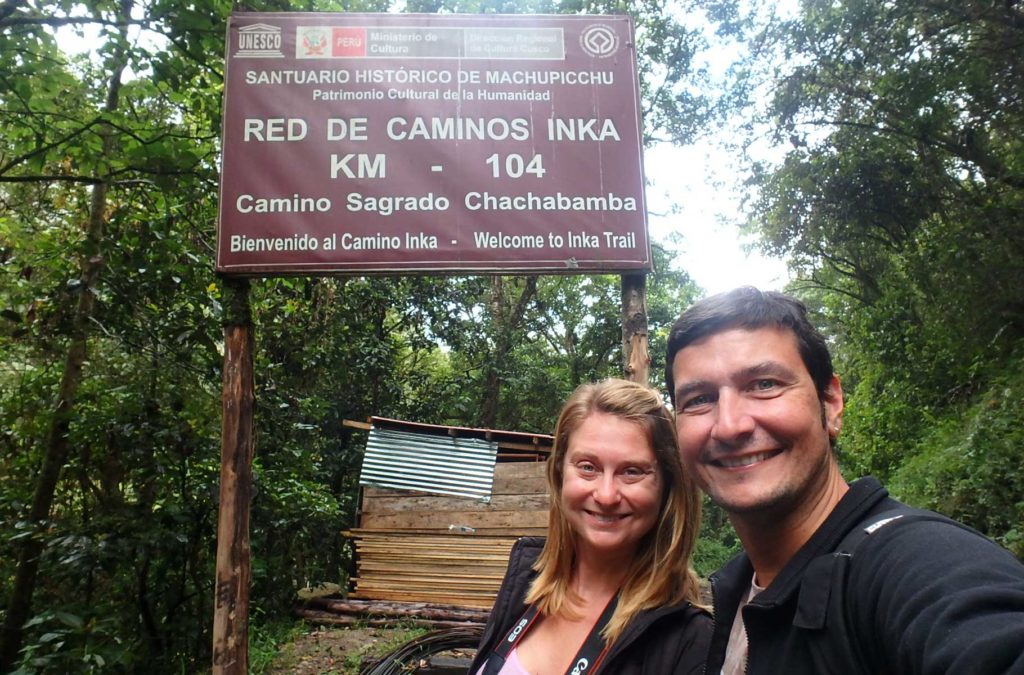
[[231, 594]]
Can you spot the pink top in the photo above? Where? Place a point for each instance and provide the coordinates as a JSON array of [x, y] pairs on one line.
[[512, 665]]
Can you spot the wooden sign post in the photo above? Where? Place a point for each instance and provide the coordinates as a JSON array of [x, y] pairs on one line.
[[231, 594], [636, 356]]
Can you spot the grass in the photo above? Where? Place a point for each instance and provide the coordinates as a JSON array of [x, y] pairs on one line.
[[266, 641]]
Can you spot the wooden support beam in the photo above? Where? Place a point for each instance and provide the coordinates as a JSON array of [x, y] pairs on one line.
[[231, 590], [635, 353]]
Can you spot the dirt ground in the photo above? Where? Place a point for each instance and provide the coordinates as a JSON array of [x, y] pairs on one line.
[[335, 651], [340, 651]]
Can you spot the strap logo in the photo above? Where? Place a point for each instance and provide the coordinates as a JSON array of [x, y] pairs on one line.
[[517, 630], [580, 667], [881, 523]]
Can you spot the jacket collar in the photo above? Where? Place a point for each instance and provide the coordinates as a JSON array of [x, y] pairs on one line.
[[730, 582], [862, 497]]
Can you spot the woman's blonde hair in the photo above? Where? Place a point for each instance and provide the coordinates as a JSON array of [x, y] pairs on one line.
[[660, 573]]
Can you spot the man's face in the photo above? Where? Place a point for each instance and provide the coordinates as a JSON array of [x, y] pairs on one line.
[[751, 428]]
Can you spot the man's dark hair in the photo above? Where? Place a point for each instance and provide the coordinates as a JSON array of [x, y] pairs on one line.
[[748, 308]]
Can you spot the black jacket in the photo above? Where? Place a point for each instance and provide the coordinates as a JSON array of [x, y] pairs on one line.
[[664, 641], [924, 596]]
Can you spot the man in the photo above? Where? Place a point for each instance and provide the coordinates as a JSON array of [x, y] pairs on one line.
[[758, 410]]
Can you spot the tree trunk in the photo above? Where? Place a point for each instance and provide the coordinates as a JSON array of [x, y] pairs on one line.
[[636, 358], [19, 605]]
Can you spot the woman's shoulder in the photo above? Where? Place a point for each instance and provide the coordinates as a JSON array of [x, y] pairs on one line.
[[682, 621], [669, 640], [524, 545]]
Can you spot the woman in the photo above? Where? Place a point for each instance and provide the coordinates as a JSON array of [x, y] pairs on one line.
[[611, 589]]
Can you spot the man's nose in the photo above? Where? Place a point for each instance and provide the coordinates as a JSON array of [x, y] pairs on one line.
[[733, 419]]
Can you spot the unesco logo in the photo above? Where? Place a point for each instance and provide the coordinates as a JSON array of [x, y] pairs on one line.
[[259, 41], [599, 41]]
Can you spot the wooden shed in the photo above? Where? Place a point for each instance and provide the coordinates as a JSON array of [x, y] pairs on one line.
[[440, 509]]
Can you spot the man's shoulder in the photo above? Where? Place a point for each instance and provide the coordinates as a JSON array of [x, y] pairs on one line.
[[909, 556], [881, 519], [890, 520]]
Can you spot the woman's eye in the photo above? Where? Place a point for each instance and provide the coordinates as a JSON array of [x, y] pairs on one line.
[[586, 468]]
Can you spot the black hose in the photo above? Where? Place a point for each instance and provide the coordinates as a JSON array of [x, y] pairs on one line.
[[404, 659]]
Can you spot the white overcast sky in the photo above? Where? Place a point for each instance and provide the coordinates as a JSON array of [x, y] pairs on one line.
[[692, 192]]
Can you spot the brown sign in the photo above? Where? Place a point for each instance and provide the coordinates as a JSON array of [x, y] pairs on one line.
[[385, 142]]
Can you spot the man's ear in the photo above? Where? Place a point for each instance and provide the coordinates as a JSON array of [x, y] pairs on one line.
[[833, 405]]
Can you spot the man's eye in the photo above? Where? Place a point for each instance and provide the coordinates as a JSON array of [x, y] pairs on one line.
[[764, 385], [694, 402]]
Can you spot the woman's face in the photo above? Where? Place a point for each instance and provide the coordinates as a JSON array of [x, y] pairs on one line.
[[611, 486]]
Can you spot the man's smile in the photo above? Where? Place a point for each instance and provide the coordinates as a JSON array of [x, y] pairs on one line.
[[737, 461]]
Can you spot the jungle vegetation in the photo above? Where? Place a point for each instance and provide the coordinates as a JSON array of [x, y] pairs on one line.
[[895, 188]]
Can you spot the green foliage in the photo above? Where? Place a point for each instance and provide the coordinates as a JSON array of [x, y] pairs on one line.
[[718, 542], [900, 201], [66, 643], [968, 463], [266, 640]]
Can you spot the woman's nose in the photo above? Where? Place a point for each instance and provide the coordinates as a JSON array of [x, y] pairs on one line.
[[607, 489]]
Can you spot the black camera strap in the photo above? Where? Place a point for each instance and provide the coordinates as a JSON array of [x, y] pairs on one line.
[[587, 659]]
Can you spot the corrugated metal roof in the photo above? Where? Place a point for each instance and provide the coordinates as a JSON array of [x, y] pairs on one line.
[[444, 465]]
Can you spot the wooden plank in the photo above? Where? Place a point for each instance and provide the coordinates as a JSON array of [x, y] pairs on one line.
[[330, 618], [384, 549], [481, 600], [480, 533], [450, 548], [519, 485], [373, 491], [375, 567], [435, 540], [446, 519], [422, 502], [380, 550], [457, 584], [375, 608], [520, 469], [438, 558]]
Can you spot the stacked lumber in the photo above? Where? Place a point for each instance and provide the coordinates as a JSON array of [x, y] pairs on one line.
[[441, 569], [415, 547]]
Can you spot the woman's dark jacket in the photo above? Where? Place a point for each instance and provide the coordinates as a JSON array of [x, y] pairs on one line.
[[663, 641]]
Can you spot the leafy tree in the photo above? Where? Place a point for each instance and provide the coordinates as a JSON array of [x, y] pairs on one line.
[[899, 201]]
